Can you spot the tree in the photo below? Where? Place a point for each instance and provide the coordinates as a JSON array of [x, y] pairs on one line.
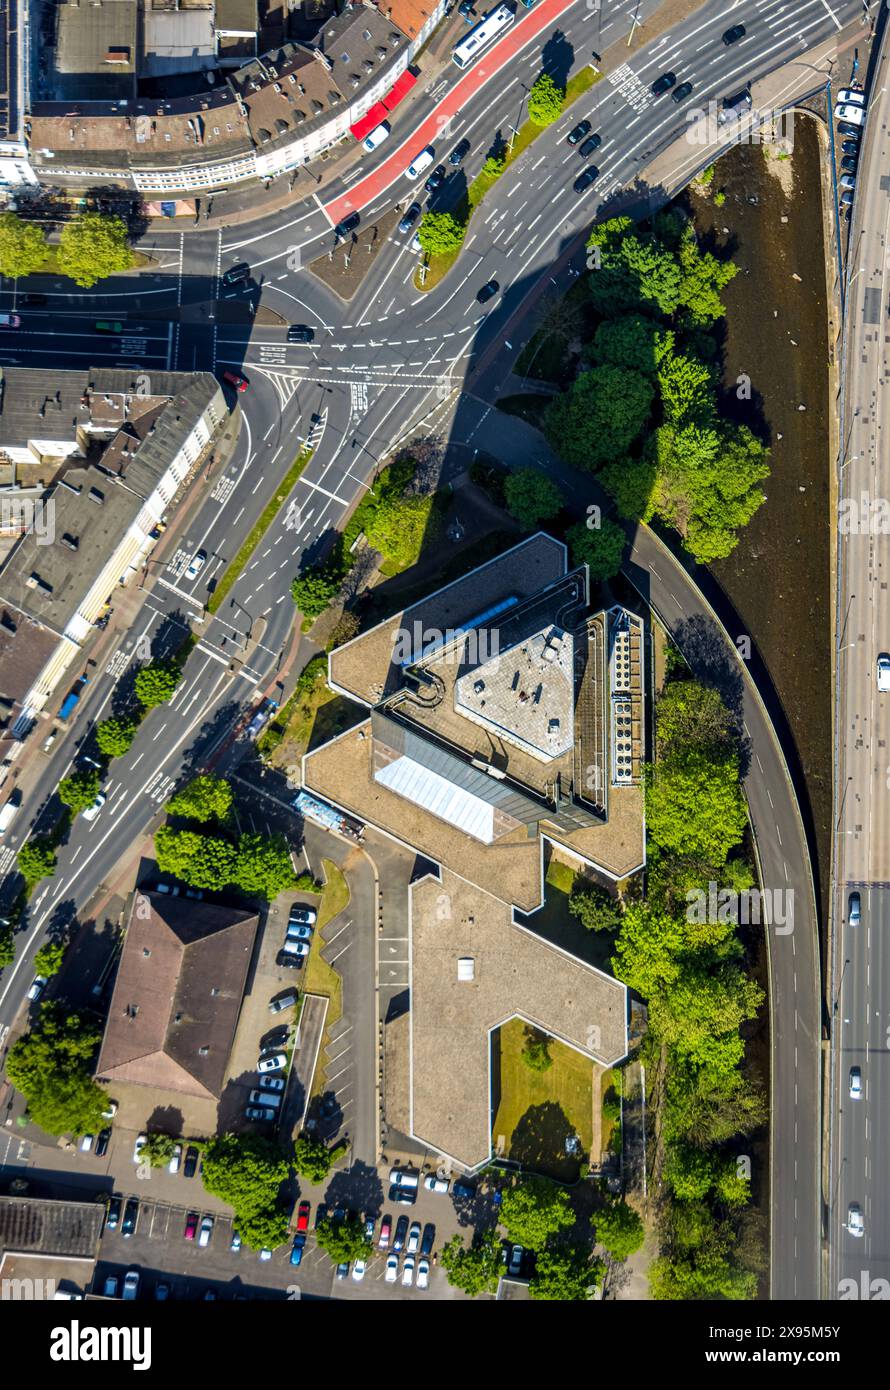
[[494, 166], [694, 804], [157, 1150], [648, 949], [595, 909], [708, 484], [473, 1268], [688, 712], [202, 861], [536, 1051], [600, 415], [114, 736], [36, 860], [600, 548], [93, 247], [533, 1211], [687, 393], [545, 100], [400, 527], [709, 1108], [52, 1067], [313, 1158], [156, 683], [7, 945], [441, 234], [343, 1239], [247, 1172], [619, 1229], [632, 483], [23, 247], [566, 1273], [703, 277], [315, 587], [701, 1014], [633, 343], [80, 789], [204, 798], [48, 960], [532, 497], [263, 866]]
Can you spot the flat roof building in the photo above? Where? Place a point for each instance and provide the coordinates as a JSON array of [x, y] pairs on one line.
[[96, 50]]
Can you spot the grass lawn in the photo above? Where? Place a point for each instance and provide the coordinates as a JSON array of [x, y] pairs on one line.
[[560, 876], [538, 1111], [545, 357], [555, 923], [318, 976], [310, 717]]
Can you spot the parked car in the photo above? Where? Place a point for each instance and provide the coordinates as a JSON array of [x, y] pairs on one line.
[[588, 147], [435, 1184], [514, 1264], [289, 947], [297, 1248], [206, 1231], [682, 92], [358, 1270], [854, 909], [303, 1211], [102, 1142], [385, 1232], [131, 1217], [287, 1001], [465, 10], [884, 671], [410, 217], [271, 1083], [429, 1239], [459, 154], [855, 1083], [38, 985], [270, 1098], [855, 1222], [847, 181], [109, 1289], [403, 1186], [265, 1253], [92, 811], [392, 1269], [198, 561], [663, 83], [191, 1161], [140, 1144], [162, 1292], [261, 1114], [300, 333], [236, 379], [408, 1272], [413, 1238], [851, 145], [850, 115], [850, 130], [131, 1285], [377, 136], [113, 1213], [853, 96], [276, 1061], [175, 1159], [286, 960], [849, 163], [488, 291], [398, 1242], [236, 274], [299, 913], [583, 181], [423, 1274], [464, 1189], [370, 1227], [847, 199], [298, 931], [191, 1226], [235, 1245], [49, 741], [577, 134], [342, 1269], [733, 35]]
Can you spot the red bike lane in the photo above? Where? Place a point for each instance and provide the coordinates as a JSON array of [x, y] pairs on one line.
[[517, 37]]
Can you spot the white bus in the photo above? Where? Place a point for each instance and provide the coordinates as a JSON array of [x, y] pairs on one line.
[[482, 34]]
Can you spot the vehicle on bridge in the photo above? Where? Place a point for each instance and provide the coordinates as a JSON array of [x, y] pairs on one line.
[[10, 321], [108, 326], [484, 33]]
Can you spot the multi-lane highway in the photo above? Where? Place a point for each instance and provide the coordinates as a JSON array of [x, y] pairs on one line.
[[860, 978], [390, 362]]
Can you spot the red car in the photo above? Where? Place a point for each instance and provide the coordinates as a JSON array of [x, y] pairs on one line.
[[303, 1216], [236, 379], [385, 1232], [191, 1225]]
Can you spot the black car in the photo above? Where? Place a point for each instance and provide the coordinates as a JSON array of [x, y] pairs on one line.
[[850, 147], [191, 1162], [289, 960], [590, 145], [436, 179], [465, 10], [411, 215], [102, 1142], [113, 1214], [459, 153], [236, 274], [429, 1239], [733, 35], [32, 299], [462, 1188], [401, 1233], [131, 1216], [488, 291], [348, 225], [581, 129], [583, 181], [848, 129], [300, 333], [849, 163], [682, 92], [663, 83]]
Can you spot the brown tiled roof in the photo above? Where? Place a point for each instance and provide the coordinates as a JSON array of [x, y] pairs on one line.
[[177, 995]]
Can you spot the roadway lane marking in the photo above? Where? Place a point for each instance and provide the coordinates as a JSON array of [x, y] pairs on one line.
[[179, 592]]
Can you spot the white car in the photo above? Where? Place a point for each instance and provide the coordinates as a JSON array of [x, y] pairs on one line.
[[206, 1231], [265, 1253], [199, 560], [855, 1223], [423, 1274], [276, 1062], [358, 1270], [139, 1146], [392, 1269], [86, 1143], [408, 1272], [295, 948], [855, 1083], [413, 1238], [110, 1113], [845, 111], [419, 163], [236, 1243], [851, 97], [434, 1184], [37, 987], [175, 1159], [884, 671], [271, 1083], [377, 136], [92, 811]]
